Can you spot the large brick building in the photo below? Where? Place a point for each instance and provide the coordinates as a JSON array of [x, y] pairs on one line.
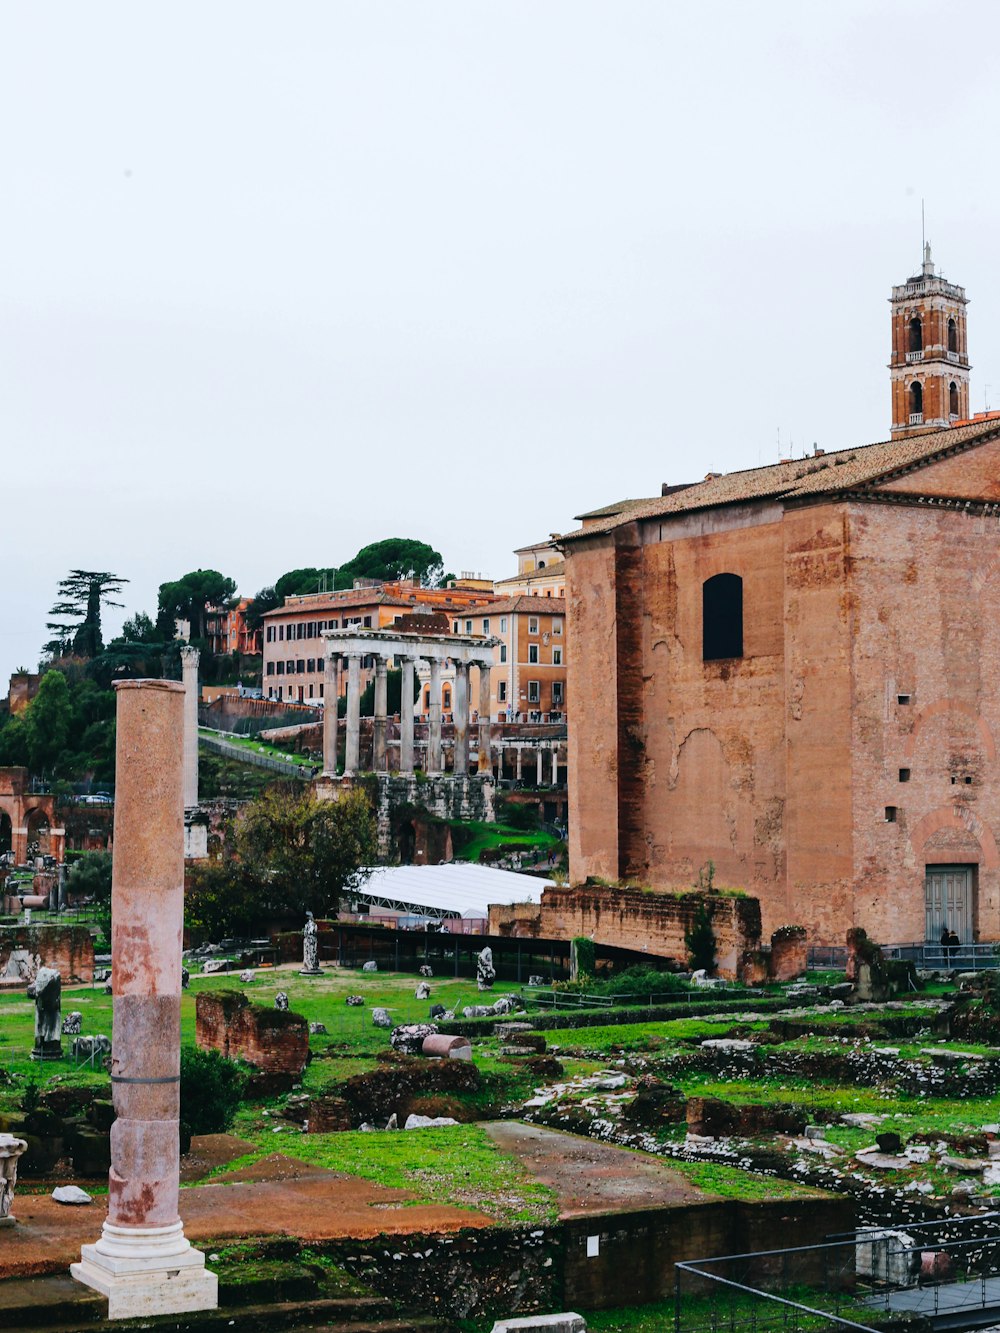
[[794, 672]]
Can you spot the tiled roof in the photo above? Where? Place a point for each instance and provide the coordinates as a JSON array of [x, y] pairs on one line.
[[524, 605], [555, 570], [831, 473], [335, 602]]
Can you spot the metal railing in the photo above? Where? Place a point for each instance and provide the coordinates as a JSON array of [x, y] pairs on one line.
[[934, 957], [245, 755], [946, 1271]]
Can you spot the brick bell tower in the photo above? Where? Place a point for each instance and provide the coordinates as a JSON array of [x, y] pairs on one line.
[[930, 353]]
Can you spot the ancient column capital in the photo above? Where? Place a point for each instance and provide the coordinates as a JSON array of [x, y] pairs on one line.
[[190, 655]]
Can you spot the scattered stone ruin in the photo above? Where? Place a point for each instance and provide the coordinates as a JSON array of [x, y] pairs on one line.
[[67, 949]]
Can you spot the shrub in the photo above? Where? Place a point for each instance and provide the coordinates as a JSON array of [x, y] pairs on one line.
[[699, 940], [212, 1088], [585, 956]]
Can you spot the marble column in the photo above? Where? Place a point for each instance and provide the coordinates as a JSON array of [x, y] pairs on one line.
[[485, 765], [330, 715], [555, 768], [406, 716], [352, 752], [520, 763], [143, 1263], [435, 763], [461, 715], [381, 705], [189, 671], [538, 766]]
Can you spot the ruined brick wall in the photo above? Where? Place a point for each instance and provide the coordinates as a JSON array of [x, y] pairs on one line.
[[272, 1040], [69, 949], [789, 953], [651, 922], [926, 698]]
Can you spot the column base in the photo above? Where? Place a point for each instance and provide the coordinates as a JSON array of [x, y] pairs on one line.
[[311, 972], [147, 1271]]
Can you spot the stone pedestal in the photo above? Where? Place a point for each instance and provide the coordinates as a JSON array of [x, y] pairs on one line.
[[10, 1150], [142, 1262]]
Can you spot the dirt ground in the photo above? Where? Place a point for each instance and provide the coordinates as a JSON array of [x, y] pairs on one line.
[[277, 1196], [590, 1177]]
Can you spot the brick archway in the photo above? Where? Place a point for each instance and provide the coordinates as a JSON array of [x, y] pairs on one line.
[[19, 805], [960, 819], [940, 706]]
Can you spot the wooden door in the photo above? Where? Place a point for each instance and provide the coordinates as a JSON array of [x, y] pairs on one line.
[[948, 902]]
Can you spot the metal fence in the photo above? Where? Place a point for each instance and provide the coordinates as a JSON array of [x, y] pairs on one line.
[[927, 955], [245, 755], [946, 1272]]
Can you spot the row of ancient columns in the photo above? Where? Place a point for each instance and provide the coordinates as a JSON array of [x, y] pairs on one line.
[[539, 762], [435, 756]]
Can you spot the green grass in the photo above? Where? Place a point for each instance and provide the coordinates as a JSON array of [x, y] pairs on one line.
[[750, 1186], [458, 1165], [485, 836], [260, 747]]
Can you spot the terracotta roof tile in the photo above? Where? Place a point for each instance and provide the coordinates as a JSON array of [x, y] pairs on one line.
[[830, 473], [524, 605]]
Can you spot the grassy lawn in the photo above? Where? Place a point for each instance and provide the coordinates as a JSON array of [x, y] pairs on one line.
[[259, 747], [485, 836], [458, 1165]]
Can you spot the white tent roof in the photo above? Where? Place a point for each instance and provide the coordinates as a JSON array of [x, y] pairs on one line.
[[456, 889]]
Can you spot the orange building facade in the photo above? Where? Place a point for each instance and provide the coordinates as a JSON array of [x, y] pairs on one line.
[[791, 672]]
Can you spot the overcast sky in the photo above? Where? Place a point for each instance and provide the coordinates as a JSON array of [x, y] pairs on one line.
[[279, 280]]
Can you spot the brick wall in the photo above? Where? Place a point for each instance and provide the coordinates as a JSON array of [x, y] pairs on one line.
[[650, 922], [273, 1040], [69, 949]]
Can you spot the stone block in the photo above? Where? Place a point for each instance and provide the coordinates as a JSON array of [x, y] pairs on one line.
[[274, 1041], [567, 1322]]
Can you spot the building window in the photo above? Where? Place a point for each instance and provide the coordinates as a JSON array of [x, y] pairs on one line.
[[533, 654], [267, 636], [446, 697], [503, 652], [533, 691], [503, 624], [456, 627], [557, 691], [722, 617], [501, 691], [952, 336], [280, 668], [916, 399], [904, 775], [368, 622], [311, 665], [270, 668], [281, 633], [556, 626], [321, 689], [915, 341], [902, 698], [320, 663], [310, 691], [557, 657], [427, 698], [289, 668], [890, 814], [953, 399], [468, 627], [279, 691], [532, 624], [486, 627], [300, 667]]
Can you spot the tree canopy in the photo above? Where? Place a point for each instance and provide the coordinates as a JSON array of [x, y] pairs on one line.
[[393, 558], [188, 598], [288, 854], [82, 593]]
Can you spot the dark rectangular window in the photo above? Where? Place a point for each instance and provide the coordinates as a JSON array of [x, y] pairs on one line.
[[904, 775], [902, 698], [890, 814], [722, 617]]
